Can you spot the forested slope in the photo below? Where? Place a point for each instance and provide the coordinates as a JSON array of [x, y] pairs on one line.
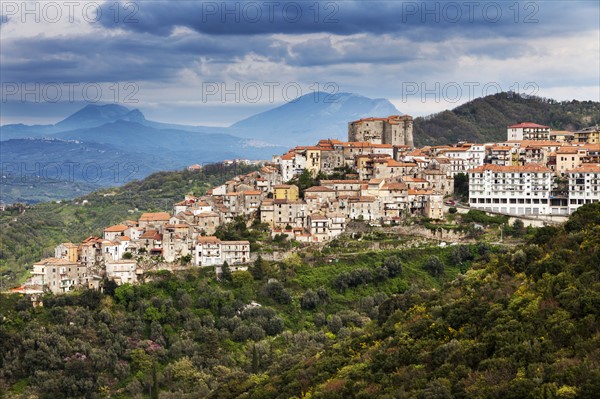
[[485, 119], [457, 322]]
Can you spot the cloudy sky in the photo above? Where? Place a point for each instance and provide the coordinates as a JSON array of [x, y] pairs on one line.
[[213, 63]]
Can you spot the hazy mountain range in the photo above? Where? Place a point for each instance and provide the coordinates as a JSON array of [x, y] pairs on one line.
[[113, 138]]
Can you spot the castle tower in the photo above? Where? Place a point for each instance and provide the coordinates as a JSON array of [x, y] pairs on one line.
[[394, 130]]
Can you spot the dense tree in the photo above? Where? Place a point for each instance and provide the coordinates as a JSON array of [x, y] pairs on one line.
[[461, 187], [310, 299], [225, 272], [394, 265], [434, 266], [258, 268]]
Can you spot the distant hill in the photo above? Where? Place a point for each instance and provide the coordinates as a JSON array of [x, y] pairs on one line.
[[181, 147], [312, 117], [485, 119], [93, 115], [36, 170]]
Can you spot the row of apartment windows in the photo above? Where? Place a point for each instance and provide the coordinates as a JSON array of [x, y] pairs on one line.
[[508, 201]]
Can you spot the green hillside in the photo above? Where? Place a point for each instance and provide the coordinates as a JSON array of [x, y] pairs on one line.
[[466, 321], [485, 119], [26, 237]]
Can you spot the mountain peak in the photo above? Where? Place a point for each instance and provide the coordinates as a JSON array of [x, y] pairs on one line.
[[311, 117], [95, 115]]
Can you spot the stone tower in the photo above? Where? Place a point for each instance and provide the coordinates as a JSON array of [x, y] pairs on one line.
[[394, 130]]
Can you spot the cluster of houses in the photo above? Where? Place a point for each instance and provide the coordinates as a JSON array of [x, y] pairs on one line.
[[115, 255], [377, 176]]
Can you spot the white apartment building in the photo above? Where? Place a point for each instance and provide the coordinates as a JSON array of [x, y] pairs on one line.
[[527, 131], [463, 158], [584, 185], [511, 189], [210, 251]]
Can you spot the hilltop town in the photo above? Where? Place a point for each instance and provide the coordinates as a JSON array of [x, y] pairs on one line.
[[311, 193]]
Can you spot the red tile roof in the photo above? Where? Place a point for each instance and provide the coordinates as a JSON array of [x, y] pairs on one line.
[[528, 125], [119, 228], [586, 168], [157, 216]]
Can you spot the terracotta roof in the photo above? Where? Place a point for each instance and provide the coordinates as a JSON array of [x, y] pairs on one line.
[[528, 125], [501, 148], [420, 192], [395, 164], [157, 216], [336, 215], [208, 240], [91, 239], [413, 179], [116, 229], [252, 192], [207, 214], [317, 216], [54, 262], [395, 186], [568, 150], [416, 152], [151, 234], [586, 168]]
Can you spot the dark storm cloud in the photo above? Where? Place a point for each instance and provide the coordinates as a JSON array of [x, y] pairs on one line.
[[424, 20], [93, 57]]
